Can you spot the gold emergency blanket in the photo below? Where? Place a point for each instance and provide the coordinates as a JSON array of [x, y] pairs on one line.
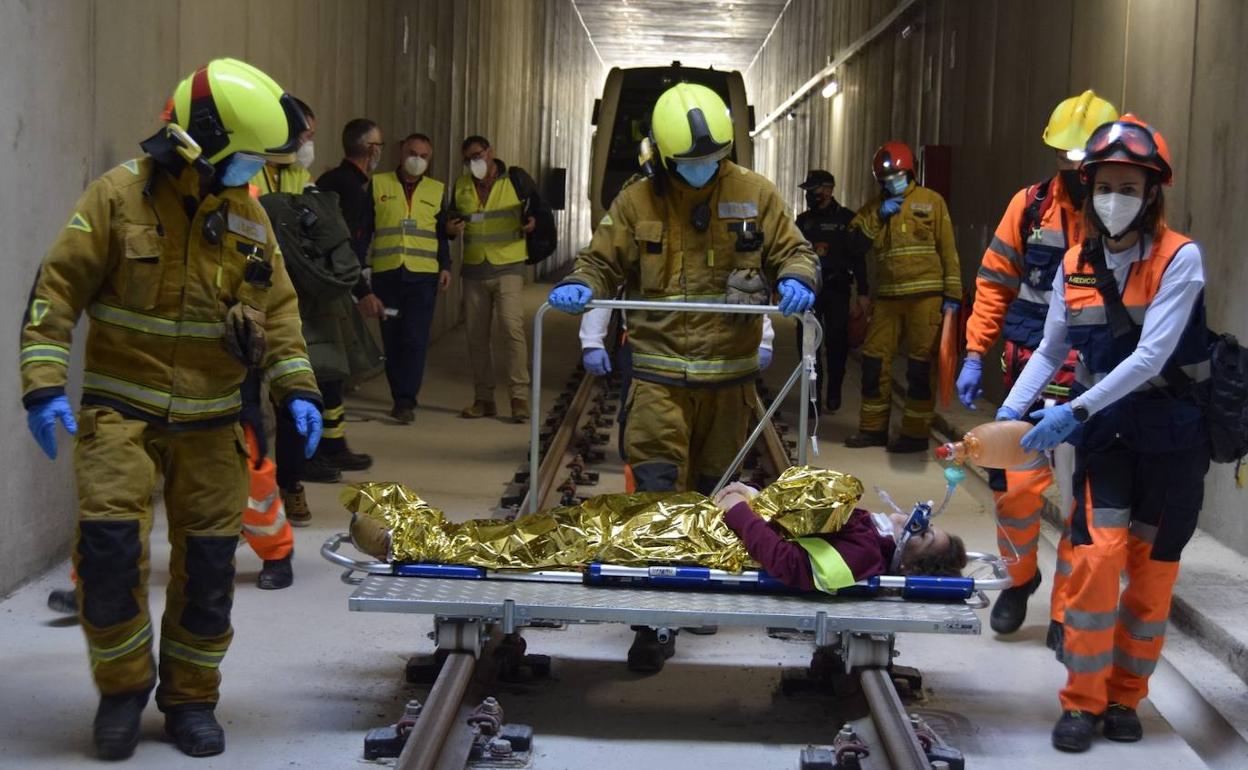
[[390, 521]]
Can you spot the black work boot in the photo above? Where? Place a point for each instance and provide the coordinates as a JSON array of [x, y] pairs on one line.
[[1074, 731], [1055, 640], [346, 460], [866, 438], [64, 601], [116, 727], [196, 731], [908, 445], [319, 470], [1122, 724], [648, 654], [1010, 610], [276, 574]]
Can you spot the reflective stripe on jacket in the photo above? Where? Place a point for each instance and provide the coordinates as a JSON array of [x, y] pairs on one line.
[[406, 232], [492, 231], [156, 292], [914, 250]]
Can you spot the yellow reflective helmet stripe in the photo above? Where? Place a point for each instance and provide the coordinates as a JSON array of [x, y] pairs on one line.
[[827, 565]]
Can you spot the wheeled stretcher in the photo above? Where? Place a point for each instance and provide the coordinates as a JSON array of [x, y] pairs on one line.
[[857, 627]]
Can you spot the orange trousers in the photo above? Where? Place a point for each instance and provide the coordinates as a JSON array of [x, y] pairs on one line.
[[1020, 506], [1133, 512]]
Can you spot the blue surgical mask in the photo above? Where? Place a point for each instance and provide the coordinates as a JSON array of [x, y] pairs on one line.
[[896, 185], [238, 169], [697, 173]]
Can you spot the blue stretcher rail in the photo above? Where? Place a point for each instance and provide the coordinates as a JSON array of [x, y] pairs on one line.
[[910, 587]]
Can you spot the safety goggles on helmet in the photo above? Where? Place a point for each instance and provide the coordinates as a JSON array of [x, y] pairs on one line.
[[1124, 141]]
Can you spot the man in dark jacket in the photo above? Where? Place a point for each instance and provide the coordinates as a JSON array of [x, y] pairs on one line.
[[825, 224]]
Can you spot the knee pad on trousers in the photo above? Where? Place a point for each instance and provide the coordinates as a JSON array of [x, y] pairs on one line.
[[109, 552], [209, 584], [919, 380], [655, 477], [997, 481], [871, 368]]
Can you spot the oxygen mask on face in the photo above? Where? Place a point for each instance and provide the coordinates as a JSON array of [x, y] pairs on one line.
[[920, 517]]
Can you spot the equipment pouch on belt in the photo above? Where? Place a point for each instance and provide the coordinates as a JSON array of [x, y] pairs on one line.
[[747, 287]]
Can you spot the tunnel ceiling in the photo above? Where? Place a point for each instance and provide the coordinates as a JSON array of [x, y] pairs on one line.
[[702, 33]]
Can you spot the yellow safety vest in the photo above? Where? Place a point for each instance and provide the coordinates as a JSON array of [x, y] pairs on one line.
[[492, 233], [827, 566], [406, 231], [284, 179]]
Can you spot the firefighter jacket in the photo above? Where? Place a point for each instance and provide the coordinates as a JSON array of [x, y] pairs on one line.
[[492, 230], [682, 246], [143, 268], [406, 232], [913, 251], [1015, 279]]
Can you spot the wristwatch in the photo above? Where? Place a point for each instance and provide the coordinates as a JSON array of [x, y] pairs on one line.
[[1081, 413]]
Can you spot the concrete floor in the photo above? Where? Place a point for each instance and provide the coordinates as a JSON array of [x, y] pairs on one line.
[[305, 679]]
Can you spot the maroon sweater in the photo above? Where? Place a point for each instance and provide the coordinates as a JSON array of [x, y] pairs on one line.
[[864, 549]]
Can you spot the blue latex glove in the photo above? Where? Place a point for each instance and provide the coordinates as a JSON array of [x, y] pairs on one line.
[[1056, 423], [308, 423], [596, 361], [764, 358], [795, 297], [42, 418], [1006, 413], [948, 305], [968, 381], [570, 298], [890, 206]]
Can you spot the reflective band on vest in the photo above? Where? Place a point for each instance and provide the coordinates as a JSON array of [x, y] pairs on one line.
[[826, 563], [406, 232], [492, 232], [182, 406], [1087, 319]]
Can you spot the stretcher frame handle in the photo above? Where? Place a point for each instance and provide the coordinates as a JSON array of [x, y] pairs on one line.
[[812, 337], [329, 551]]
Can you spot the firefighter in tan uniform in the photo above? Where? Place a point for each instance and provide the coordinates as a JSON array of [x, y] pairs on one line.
[[701, 229], [909, 237], [179, 272]]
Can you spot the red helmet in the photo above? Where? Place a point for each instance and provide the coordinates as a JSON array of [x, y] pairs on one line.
[[892, 157], [1132, 141]]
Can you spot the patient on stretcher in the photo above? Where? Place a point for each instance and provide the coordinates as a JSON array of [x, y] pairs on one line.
[[864, 546]]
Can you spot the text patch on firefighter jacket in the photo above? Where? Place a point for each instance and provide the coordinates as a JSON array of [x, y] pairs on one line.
[[913, 251], [156, 290], [656, 247], [407, 230]]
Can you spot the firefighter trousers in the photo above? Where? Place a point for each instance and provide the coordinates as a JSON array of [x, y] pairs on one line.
[[1133, 512], [117, 461], [680, 438], [915, 323]]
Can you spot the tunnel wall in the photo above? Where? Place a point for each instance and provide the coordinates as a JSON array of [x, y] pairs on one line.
[[83, 81], [982, 76]]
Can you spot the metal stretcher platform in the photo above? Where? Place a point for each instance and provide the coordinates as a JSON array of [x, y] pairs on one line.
[[519, 604]]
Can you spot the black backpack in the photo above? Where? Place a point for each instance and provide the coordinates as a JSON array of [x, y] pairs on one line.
[[544, 239]]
